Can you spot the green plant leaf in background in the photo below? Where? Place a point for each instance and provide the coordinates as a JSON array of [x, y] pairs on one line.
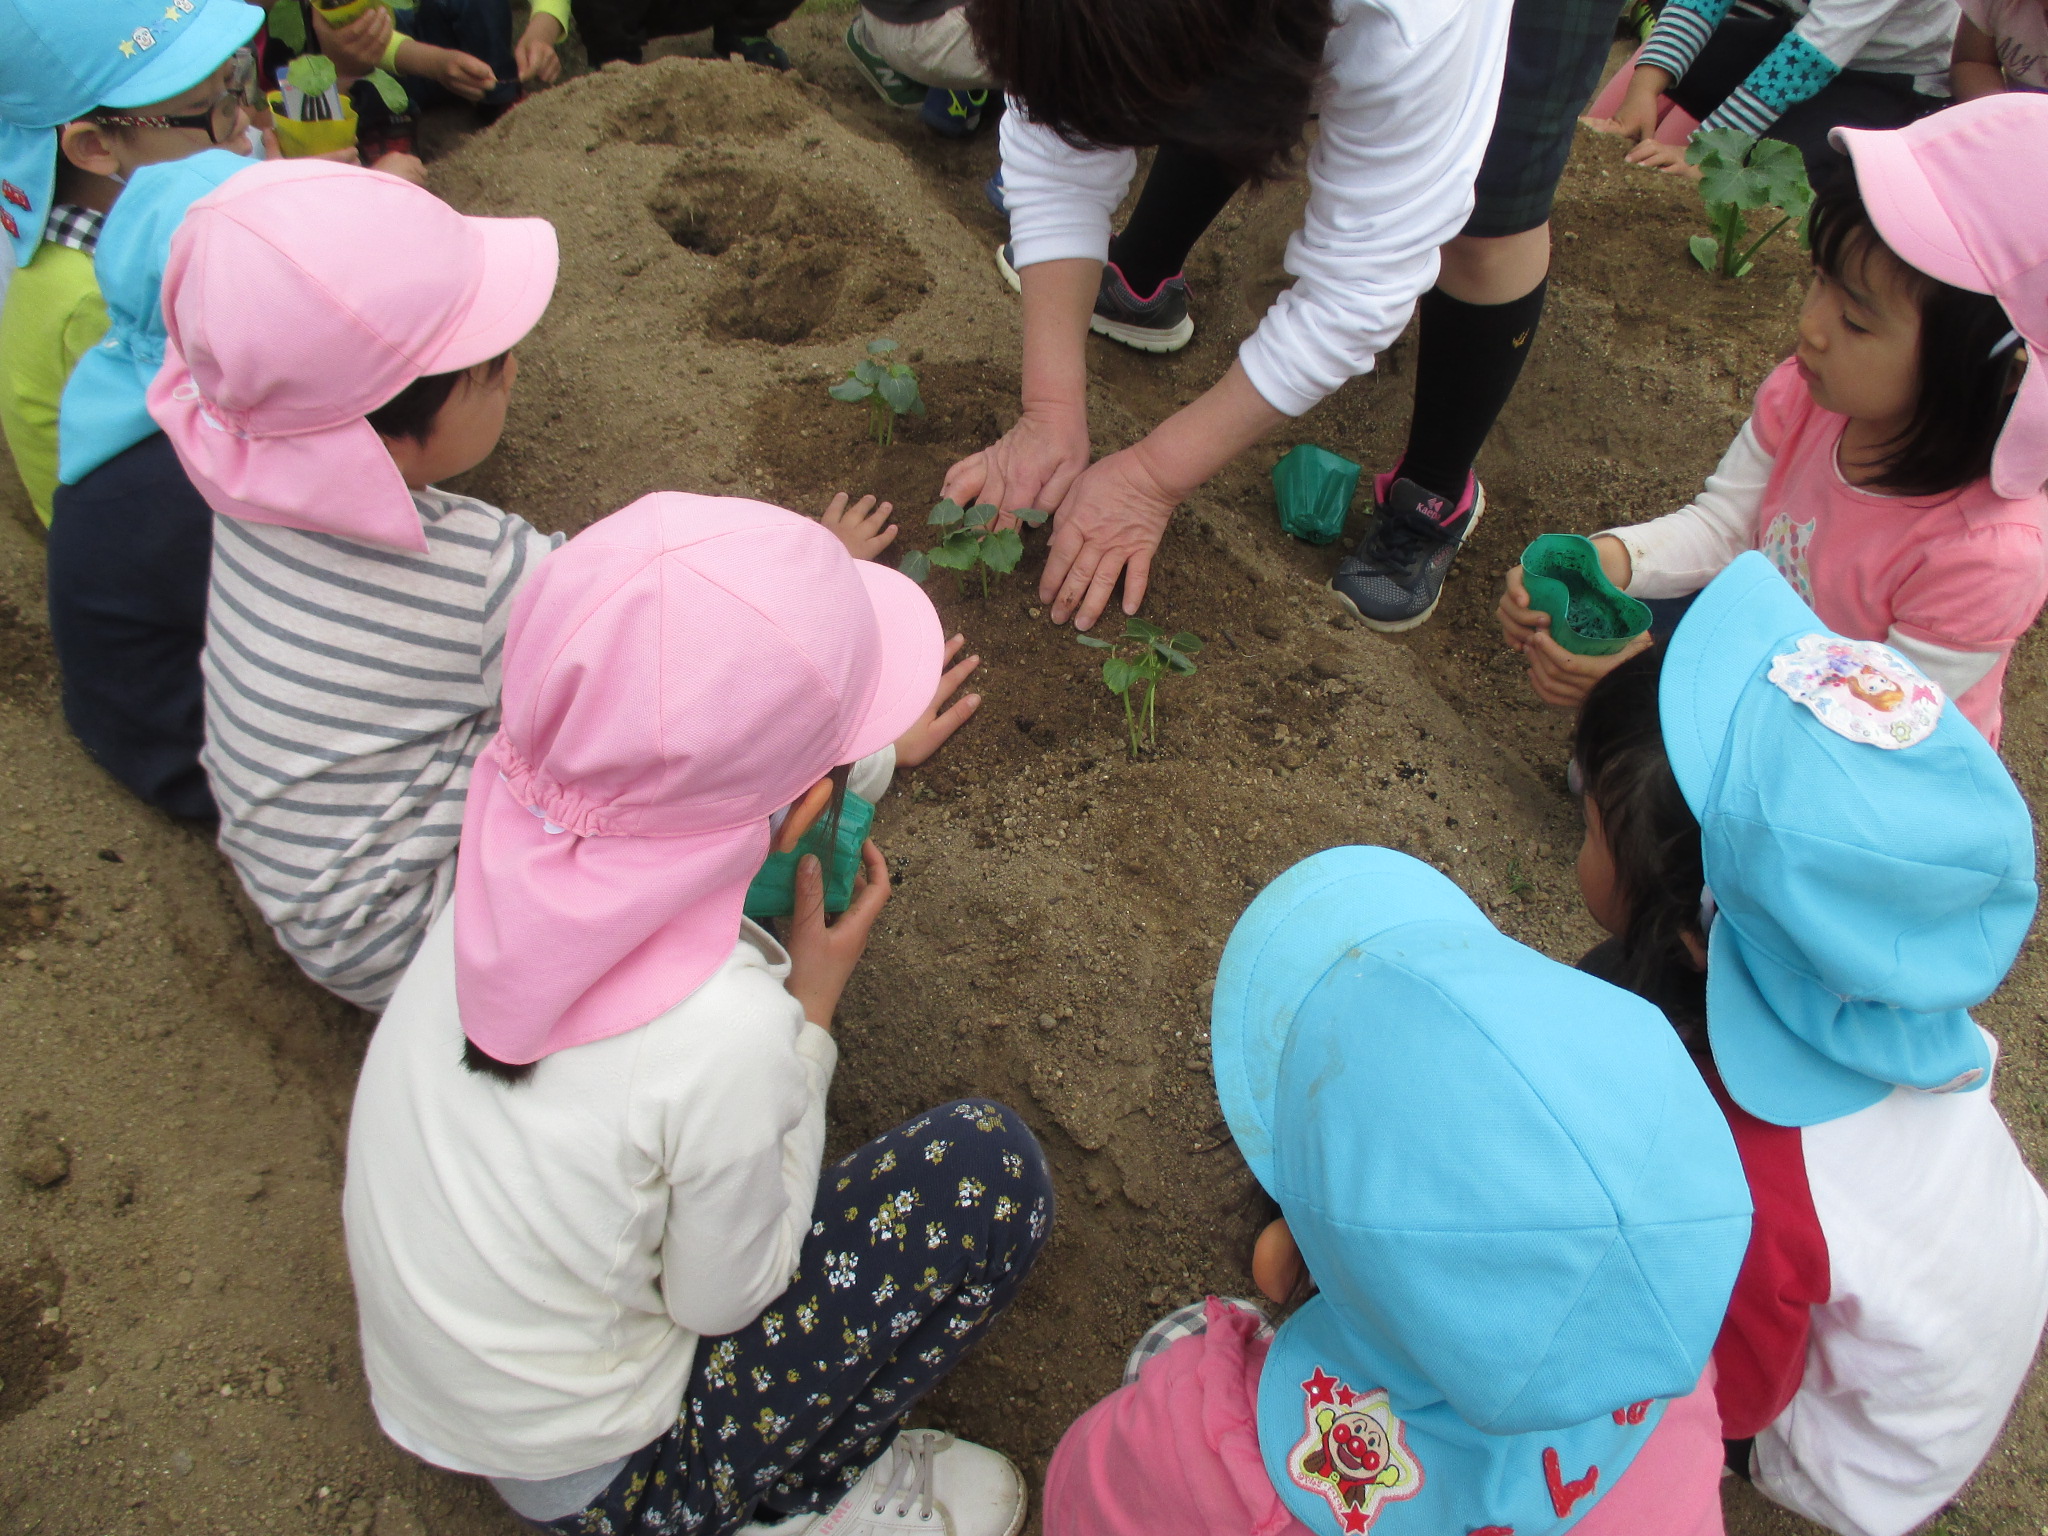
[[850, 390], [1704, 251], [881, 346], [389, 91], [311, 73], [899, 388]]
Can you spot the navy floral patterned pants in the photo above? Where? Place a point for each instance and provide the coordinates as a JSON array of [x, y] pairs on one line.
[[919, 1240]]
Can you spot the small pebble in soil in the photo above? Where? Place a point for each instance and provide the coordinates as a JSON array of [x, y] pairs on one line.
[[43, 1163]]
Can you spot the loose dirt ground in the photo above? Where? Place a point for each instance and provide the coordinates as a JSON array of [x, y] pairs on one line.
[[177, 1349]]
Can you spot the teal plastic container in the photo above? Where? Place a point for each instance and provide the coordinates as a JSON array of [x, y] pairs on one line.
[[1314, 488], [1589, 615], [773, 893]]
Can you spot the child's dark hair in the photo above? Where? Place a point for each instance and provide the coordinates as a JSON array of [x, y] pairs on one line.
[[1234, 79], [477, 1060], [1964, 392], [1652, 836], [410, 413]]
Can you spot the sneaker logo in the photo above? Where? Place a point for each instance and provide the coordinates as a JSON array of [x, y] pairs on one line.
[[1523, 339], [1435, 508], [1354, 1452]]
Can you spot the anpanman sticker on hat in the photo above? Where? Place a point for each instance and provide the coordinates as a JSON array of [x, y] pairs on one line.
[[1355, 1452], [1860, 690]]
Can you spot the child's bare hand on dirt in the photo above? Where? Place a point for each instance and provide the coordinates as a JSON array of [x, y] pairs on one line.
[[356, 47], [1562, 679], [936, 725], [1635, 117], [535, 54], [405, 167], [822, 955], [464, 74], [864, 528], [1668, 158], [1519, 623]]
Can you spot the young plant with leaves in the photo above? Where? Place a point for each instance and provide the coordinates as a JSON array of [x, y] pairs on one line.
[[888, 387], [1737, 174], [975, 544], [1146, 654]]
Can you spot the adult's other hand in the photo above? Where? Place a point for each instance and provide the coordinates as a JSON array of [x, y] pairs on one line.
[[1033, 465], [1108, 526]]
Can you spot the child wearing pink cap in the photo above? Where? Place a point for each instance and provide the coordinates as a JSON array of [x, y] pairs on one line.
[[594, 1255], [1893, 467], [356, 613], [2001, 45]]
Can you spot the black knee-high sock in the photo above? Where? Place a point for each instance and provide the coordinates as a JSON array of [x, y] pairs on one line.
[[1468, 360], [1184, 192]]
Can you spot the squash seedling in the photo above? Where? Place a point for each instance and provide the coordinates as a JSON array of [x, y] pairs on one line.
[[975, 544], [1738, 173], [1154, 654], [889, 388]]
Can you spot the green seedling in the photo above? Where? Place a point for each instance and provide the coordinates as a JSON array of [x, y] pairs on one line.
[[1146, 654], [1519, 884], [889, 388], [1737, 174], [975, 544]]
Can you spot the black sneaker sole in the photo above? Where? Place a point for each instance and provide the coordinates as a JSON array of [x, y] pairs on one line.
[[1402, 626], [1144, 338]]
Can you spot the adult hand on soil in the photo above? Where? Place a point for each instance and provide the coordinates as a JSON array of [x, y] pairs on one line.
[[1108, 525], [863, 528], [535, 54], [1563, 679], [464, 74], [937, 723], [405, 167], [822, 955], [1034, 464], [1668, 158], [357, 47]]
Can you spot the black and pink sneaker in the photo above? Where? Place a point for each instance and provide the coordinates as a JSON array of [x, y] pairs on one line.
[[1394, 581], [1158, 324]]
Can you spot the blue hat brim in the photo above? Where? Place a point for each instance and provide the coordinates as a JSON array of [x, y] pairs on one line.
[[1777, 1076], [1296, 929], [1730, 633], [189, 55], [28, 159]]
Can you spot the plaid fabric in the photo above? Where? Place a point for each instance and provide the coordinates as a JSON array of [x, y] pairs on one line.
[[1184, 1323], [74, 226], [1555, 51]]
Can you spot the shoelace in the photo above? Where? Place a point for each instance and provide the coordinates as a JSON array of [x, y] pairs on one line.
[[910, 1474], [1402, 539]]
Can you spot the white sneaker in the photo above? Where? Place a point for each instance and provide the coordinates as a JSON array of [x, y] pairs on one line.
[[932, 1484], [789, 1525]]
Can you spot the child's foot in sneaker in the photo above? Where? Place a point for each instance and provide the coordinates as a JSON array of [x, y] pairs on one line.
[[932, 1484], [890, 83], [992, 189], [1158, 324], [1395, 579], [755, 48], [952, 114]]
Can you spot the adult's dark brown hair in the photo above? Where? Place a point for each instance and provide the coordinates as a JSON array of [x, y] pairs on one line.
[[1235, 79]]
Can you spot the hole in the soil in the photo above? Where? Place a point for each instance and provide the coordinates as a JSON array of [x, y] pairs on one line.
[[30, 1348], [29, 910], [701, 211]]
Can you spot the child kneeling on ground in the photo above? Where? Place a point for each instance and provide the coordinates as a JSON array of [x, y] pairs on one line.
[[594, 1256], [1522, 1214], [1893, 467], [1815, 866], [356, 616]]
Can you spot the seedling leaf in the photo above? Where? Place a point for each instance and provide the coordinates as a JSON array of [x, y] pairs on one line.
[[1118, 674], [850, 390], [981, 514], [947, 511], [954, 556], [1100, 645], [869, 372], [1704, 251], [1138, 629], [1031, 515], [900, 390], [881, 346], [1187, 642], [916, 565], [1001, 550], [311, 73]]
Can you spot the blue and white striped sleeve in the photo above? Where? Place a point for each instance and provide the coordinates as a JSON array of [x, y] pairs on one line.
[[1681, 32]]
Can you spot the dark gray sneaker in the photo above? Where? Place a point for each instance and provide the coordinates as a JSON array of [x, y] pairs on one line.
[[1394, 581], [1158, 324]]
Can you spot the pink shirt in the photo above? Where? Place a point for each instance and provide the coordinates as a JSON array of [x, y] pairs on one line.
[[1176, 1453]]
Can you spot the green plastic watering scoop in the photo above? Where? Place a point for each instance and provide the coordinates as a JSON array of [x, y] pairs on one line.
[[1589, 615], [1314, 488], [773, 893]]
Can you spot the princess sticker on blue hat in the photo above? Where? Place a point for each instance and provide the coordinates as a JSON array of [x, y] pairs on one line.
[[1354, 1453], [1860, 690]]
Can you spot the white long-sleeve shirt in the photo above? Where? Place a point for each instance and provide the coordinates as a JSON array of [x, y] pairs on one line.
[[534, 1263], [1407, 107]]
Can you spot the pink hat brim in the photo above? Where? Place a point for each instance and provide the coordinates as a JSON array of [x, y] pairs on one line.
[[521, 260], [913, 659], [1903, 204]]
